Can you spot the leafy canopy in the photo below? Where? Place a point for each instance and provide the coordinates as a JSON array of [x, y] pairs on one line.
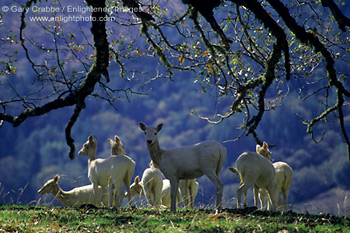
[[252, 53]]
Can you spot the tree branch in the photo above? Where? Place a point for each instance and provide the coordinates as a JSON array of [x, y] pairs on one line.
[[75, 97], [341, 120], [271, 25], [267, 81], [157, 49], [338, 15], [72, 120], [311, 39], [135, 7], [206, 10]]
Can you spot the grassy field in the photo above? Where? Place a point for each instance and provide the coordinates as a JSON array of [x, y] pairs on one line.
[[18, 218]]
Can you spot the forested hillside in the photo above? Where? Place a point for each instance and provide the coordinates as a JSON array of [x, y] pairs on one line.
[[143, 89], [36, 151]]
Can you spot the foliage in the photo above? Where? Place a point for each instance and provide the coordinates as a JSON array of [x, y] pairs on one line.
[[247, 54], [34, 218]]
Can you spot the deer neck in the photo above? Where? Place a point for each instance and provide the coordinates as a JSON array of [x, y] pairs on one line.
[[92, 156], [155, 152], [62, 196]]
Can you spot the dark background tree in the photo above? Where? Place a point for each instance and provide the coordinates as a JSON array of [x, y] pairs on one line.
[[248, 58]]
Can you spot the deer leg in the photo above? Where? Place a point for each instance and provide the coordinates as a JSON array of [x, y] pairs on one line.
[[242, 189], [119, 195], [187, 196], [95, 194], [256, 195], [245, 199], [157, 197], [285, 198], [194, 189], [127, 182], [174, 185], [272, 197], [219, 188]]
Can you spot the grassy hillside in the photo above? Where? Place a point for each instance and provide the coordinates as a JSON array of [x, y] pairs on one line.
[[17, 218]]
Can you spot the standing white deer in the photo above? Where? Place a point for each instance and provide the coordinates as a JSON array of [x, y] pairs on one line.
[[254, 170], [205, 158], [75, 197], [114, 170], [283, 180]]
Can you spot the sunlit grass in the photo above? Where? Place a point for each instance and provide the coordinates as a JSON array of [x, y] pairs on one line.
[[18, 218]]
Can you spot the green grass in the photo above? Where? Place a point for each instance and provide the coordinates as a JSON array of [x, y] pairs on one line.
[[18, 218]]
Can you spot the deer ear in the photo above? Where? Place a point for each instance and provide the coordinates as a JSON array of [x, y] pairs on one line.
[[137, 179], [116, 139], [232, 169], [56, 178], [142, 126], [257, 148], [110, 141], [91, 138], [159, 127], [265, 146]]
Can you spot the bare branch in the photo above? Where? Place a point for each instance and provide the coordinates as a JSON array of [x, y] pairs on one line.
[[72, 120], [338, 15]]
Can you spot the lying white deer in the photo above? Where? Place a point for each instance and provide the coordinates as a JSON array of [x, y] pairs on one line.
[[283, 180], [205, 158], [75, 197], [255, 170], [150, 186], [189, 189], [114, 170]]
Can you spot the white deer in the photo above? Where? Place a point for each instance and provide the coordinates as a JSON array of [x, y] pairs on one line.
[[117, 147], [114, 170], [283, 180], [264, 151], [255, 170], [189, 189], [205, 158], [75, 197], [166, 199], [150, 186]]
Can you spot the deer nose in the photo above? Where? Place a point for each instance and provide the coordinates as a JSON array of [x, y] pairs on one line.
[[149, 141]]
